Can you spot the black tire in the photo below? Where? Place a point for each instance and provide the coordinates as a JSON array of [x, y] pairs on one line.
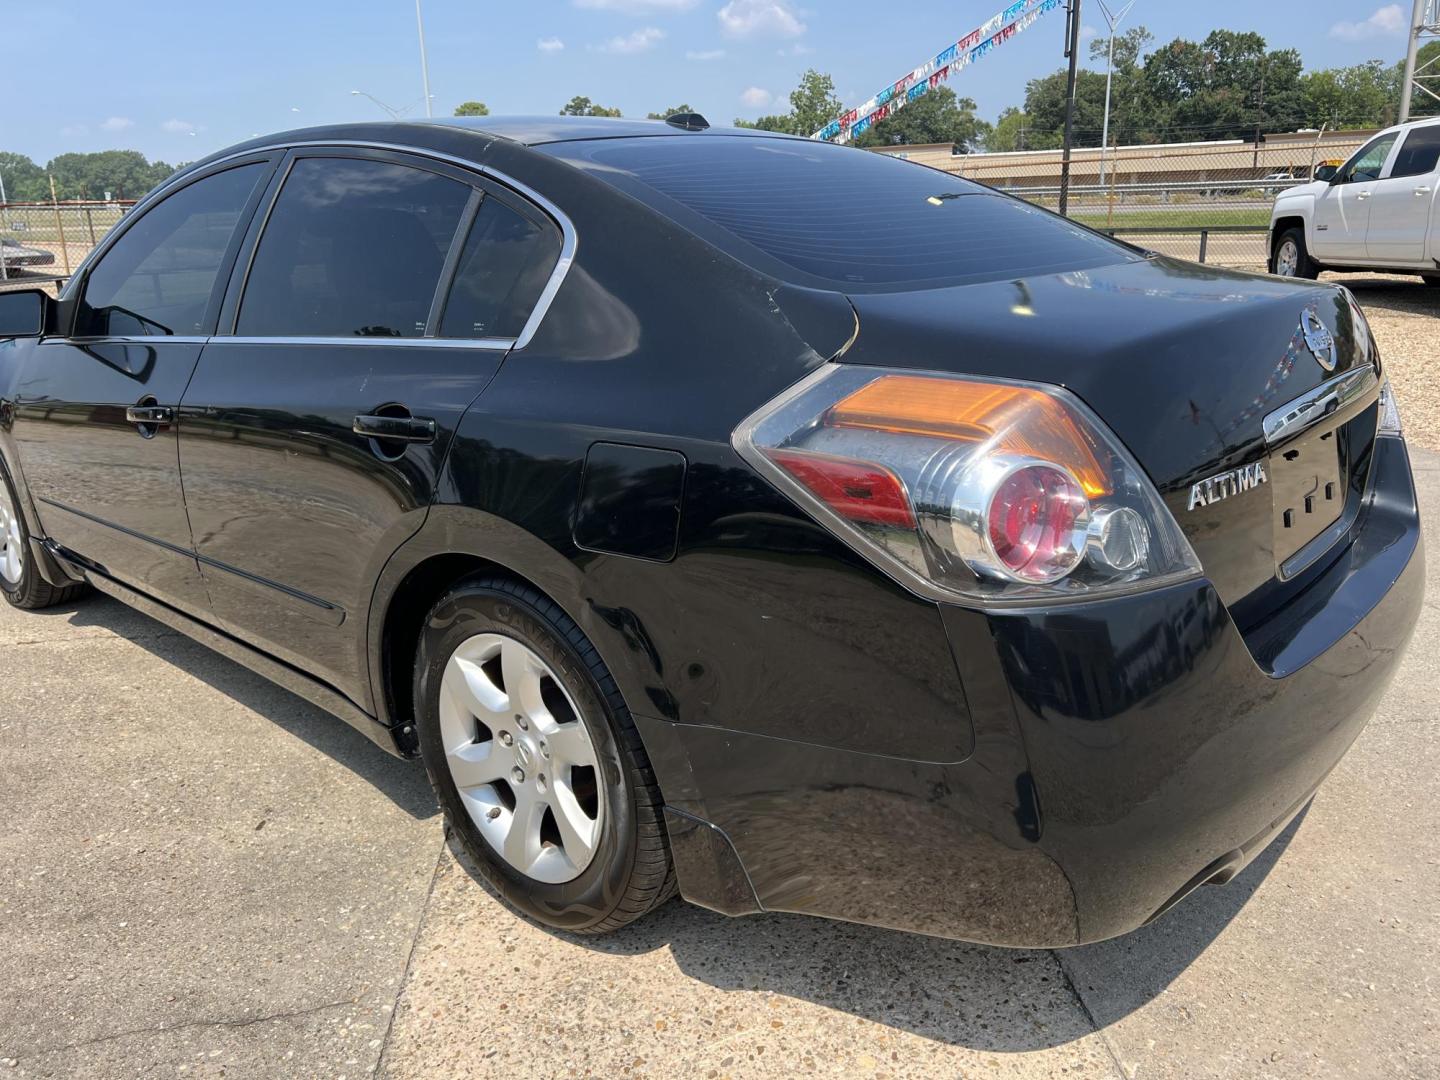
[[631, 872], [1305, 267], [1433, 280], [32, 592]]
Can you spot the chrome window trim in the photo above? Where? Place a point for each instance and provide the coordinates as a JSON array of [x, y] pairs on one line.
[[569, 241], [133, 339], [490, 344], [1330, 397]]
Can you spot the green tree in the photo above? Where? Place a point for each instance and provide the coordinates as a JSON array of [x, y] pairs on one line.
[[813, 104], [472, 108], [1360, 96], [936, 116], [24, 180], [583, 106], [1045, 110], [1010, 132], [1222, 88], [669, 113], [124, 173]]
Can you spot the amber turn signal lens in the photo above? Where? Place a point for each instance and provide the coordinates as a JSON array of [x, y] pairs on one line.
[[1012, 419]]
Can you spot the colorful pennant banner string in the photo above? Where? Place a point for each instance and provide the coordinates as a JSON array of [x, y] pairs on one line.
[[995, 31]]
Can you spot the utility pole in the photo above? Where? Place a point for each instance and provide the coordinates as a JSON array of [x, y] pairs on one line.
[[1112, 19], [424, 64], [1260, 111], [1424, 22], [1072, 51]]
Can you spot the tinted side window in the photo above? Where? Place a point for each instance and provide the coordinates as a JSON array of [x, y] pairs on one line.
[[506, 262], [1419, 153], [351, 247], [1370, 159], [159, 275]]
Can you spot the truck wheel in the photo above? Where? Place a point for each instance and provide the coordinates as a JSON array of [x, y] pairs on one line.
[[20, 579], [1289, 258], [535, 760], [1433, 280]]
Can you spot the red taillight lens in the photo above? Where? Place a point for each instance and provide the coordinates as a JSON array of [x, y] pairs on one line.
[[856, 490], [1036, 521], [969, 488]]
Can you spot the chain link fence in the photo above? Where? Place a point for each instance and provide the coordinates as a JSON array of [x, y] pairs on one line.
[[1204, 201], [42, 243]]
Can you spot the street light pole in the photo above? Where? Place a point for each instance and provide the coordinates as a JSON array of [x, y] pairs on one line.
[[1072, 50], [1113, 21], [424, 64]]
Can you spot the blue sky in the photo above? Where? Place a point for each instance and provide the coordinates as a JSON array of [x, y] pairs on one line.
[[165, 69]]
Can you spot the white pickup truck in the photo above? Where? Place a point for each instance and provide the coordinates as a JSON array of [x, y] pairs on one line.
[[1378, 211]]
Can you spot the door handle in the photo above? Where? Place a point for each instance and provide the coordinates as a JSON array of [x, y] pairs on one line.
[[1362, 195], [1421, 191], [410, 429], [149, 415]]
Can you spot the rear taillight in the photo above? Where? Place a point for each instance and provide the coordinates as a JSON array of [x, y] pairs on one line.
[[968, 488]]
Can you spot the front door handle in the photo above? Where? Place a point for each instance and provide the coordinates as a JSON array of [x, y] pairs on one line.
[[1421, 191], [1362, 195], [149, 415], [410, 429]]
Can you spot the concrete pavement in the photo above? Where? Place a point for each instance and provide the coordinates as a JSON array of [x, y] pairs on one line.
[[201, 875]]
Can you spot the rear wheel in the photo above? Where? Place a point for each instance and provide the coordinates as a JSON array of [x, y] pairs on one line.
[[20, 579], [1289, 258], [535, 760]]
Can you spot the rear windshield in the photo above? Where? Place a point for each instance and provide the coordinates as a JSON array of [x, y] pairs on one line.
[[841, 216]]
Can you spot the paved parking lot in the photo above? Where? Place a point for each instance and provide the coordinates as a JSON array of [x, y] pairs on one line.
[[201, 875]]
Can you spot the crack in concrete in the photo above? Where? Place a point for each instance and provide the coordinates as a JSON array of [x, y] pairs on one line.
[[1090, 1016], [238, 1022], [381, 1058], [68, 639]]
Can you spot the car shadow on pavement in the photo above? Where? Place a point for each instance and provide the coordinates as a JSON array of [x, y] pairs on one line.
[[1409, 295], [403, 782], [975, 996]]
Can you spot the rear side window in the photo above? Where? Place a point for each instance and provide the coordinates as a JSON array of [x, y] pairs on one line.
[[158, 277], [507, 260], [841, 215], [1419, 153], [352, 247]]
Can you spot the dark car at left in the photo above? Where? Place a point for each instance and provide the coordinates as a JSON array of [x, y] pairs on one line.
[[722, 513]]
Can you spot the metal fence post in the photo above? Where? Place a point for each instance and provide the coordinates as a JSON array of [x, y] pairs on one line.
[[90, 223], [60, 226], [1204, 242]]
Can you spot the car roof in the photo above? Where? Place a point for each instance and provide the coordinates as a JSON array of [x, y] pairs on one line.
[[539, 130]]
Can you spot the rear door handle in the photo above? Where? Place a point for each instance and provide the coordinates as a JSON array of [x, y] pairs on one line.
[[149, 415], [1422, 191], [1362, 195], [410, 429]]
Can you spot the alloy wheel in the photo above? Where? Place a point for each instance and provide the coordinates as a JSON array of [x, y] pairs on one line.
[[1287, 259], [521, 758], [12, 547]]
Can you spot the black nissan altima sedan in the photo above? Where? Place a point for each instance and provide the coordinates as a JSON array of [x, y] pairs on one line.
[[789, 526]]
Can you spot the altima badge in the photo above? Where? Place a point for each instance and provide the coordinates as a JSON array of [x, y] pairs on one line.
[[1225, 484], [1319, 338]]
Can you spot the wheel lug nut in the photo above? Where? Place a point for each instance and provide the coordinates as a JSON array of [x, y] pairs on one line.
[[540, 781], [520, 722], [544, 748], [493, 813], [506, 739], [517, 774]]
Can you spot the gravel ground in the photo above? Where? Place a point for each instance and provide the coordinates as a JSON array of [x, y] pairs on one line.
[[1403, 312]]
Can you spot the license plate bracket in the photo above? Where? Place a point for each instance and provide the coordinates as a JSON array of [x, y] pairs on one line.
[[1307, 490]]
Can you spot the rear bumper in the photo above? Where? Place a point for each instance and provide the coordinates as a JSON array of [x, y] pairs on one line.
[[1125, 752]]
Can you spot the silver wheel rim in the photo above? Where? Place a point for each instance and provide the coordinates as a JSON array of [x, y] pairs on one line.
[[1287, 259], [521, 758], [12, 549]]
